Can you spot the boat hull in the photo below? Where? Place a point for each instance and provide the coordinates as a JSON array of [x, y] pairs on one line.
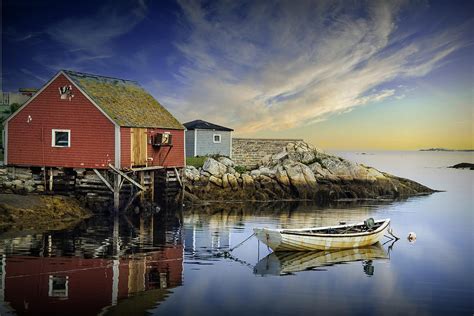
[[283, 240]]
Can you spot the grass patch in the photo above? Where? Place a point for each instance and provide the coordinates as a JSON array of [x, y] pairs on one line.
[[197, 162]]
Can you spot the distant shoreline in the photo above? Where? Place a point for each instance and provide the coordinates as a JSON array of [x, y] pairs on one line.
[[444, 149]]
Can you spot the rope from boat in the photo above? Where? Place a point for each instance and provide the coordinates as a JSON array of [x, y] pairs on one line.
[[390, 231], [226, 253]]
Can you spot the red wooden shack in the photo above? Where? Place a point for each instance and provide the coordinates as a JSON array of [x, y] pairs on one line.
[[79, 120]]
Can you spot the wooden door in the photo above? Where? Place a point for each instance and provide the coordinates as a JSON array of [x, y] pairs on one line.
[[139, 144]]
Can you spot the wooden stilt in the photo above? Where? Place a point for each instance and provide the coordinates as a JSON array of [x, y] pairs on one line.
[[117, 181], [50, 179], [142, 183], [152, 185]]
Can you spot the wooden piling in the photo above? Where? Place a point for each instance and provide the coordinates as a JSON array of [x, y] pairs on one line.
[[117, 181]]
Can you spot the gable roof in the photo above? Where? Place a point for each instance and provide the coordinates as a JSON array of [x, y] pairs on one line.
[[124, 101], [200, 124]]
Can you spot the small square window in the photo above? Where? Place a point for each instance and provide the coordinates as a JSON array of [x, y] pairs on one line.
[[58, 286], [217, 138], [61, 138]]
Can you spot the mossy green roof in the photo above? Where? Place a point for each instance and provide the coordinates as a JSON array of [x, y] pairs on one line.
[[124, 101]]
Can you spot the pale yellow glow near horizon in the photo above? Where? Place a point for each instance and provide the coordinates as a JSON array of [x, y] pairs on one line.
[[437, 122]]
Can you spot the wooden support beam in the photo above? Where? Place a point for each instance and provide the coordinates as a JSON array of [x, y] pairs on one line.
[[101, 177], [117, 180], [142, 183], [148, 168], [130, 201], [127, 177], [152, 185], [178, 177], [50, 179]]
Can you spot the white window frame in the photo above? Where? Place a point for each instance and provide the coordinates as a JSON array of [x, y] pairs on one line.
[[53, 137], [55, 292], [214, 138]]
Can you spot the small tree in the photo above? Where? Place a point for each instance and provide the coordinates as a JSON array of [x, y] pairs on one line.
[[14, 107]]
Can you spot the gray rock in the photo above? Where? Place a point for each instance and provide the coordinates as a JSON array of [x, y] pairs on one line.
[[204, 173], [247, 181], [281, 176], [322, 173], [214, 167], [300, 175], [215, 180], [226, 161], [255, 173], [225, 180], [233, 182], [191, 173], [230, 170], [267, 172], [29, 188]]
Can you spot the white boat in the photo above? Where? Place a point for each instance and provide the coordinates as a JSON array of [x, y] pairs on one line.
[[289, 262], [356, 235]]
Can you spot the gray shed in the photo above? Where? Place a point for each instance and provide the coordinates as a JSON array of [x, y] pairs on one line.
[[205, 138]]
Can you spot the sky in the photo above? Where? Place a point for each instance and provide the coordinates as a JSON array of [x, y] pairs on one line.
[[354, 75]]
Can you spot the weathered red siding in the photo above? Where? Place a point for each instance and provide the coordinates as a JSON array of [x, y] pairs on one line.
[[172, 156], [92, 133]]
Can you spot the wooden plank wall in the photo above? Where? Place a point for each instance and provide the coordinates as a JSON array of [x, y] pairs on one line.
[[139, 144]]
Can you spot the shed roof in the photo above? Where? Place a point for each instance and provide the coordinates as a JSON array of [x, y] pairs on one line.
[[125, 101], [200, 124]]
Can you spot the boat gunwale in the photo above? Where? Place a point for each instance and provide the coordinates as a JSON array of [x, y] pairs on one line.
[[301, 232]]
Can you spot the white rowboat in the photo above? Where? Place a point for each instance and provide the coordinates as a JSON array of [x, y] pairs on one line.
[[323, 238]]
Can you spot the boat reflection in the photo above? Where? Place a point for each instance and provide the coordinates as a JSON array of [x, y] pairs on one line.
[[285, 263]]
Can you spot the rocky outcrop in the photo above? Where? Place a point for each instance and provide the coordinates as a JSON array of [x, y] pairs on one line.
[[299, 171]]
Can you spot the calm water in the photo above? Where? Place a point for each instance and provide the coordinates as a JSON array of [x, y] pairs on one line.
[[170, 264]]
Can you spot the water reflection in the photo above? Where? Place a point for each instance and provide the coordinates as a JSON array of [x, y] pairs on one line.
[[101, 267], [285, 263]]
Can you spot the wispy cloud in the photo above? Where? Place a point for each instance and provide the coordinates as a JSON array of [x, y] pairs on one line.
[[264, 65], [93, 33], [33, 75]]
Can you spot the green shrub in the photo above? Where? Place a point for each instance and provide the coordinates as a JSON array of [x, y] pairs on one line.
[[240, 169]]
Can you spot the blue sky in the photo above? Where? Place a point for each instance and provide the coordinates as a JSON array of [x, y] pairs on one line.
[[265, 68]]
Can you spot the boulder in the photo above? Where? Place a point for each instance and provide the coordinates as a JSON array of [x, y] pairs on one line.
[[281, 176], [230, 170], [214, 167], [226, 161], [233, 182], [217, 181], [322, 173], [295, 174], [247, 181], [267, 172], [301, 178], [255, 173], [225, 181], [191, 173]]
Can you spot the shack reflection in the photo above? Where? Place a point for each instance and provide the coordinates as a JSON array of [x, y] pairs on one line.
[[138, 264]]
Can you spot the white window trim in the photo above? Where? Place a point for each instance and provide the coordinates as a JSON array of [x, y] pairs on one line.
[[56, 293], [53, 138], [214, 138]]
